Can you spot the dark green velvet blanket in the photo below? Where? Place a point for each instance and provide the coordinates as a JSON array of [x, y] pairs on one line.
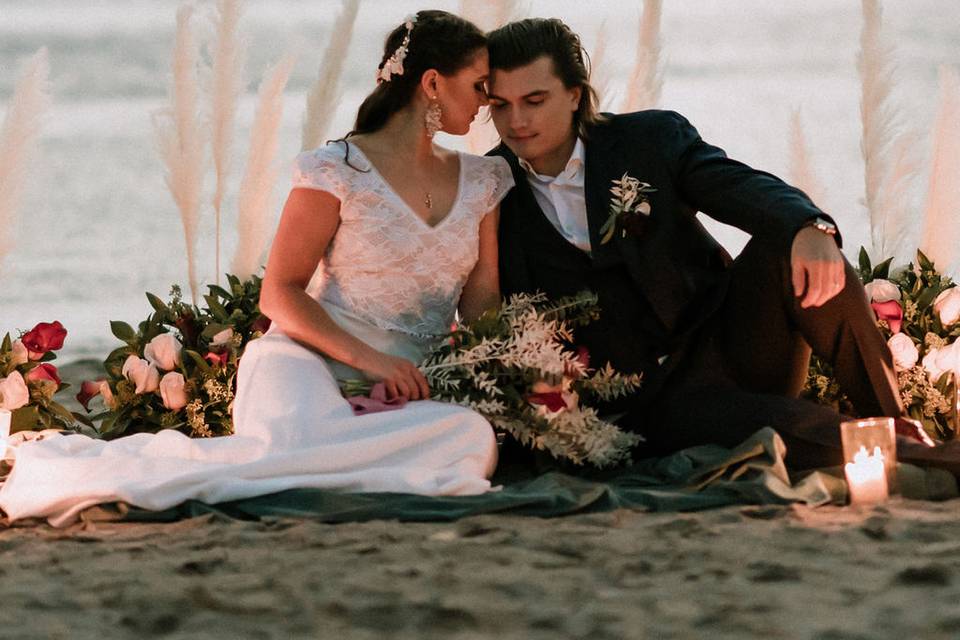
[[693, 479]]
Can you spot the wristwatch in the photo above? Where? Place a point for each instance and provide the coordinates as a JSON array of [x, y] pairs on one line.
[[822, 225]]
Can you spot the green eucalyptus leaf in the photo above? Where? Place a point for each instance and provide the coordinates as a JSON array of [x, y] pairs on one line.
[[122, 331]]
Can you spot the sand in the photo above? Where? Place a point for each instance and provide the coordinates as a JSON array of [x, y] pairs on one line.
[[740, 572]]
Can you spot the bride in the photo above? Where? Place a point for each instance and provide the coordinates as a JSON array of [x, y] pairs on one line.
[[383, 238]]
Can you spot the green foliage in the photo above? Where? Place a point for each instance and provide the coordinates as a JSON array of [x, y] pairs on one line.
[[209, 384]]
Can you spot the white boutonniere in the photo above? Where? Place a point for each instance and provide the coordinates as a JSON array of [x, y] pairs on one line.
[[629, 206]]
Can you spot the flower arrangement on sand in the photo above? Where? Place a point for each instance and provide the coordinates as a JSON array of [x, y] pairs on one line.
[[28, 381], [918, 311], [178, 369]]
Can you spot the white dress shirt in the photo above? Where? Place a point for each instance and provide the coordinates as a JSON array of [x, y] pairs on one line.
[[562, 198]]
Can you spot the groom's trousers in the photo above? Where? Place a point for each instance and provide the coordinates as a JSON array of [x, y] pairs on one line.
[[744, 368]]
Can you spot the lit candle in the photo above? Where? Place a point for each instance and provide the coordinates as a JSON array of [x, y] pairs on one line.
[[866, 477]]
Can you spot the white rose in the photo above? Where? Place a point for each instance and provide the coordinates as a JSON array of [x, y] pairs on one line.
[[173, 391], [141, 373], [905, 353], [13, 392], [937, 362], [947, 306], [881, 290], [20, 353], [163, 352], [222, 338]]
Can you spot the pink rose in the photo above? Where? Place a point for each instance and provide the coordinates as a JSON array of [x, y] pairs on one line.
[[163, 352], [222, 339], [891, 312], [13, 392], [44, 371], [947, 306], [218, 360], [46, 336], [173, 391], [20, 353], [141, 373]]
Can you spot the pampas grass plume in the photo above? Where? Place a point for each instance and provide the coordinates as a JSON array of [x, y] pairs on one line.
[[646, 80], [888, 168], [180, 139], [228, 56], [323, 97], [256, 187], [18, 139], [801, 172], [941, 232]]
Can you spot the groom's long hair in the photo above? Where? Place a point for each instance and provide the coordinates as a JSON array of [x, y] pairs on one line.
[[519, 43], [439, 40]]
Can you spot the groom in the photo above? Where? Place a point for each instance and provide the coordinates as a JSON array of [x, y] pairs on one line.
[[723, 345]]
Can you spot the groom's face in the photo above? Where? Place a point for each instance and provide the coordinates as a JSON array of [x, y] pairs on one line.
[[533, 110]]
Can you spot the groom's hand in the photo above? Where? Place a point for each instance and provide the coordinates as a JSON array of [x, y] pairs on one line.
[[817, 267]]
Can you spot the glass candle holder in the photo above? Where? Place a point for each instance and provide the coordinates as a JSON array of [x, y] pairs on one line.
[[870, 454]]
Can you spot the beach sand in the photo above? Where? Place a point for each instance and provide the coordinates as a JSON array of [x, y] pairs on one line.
[[739, 572]]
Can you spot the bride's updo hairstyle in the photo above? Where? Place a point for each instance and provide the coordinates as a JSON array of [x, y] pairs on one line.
[[438, 40]]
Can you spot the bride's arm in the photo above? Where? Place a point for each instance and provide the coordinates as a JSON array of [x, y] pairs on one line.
[[309, 221], [482, 290]]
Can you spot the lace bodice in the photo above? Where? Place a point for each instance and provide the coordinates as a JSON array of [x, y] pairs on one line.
[[385, 264]]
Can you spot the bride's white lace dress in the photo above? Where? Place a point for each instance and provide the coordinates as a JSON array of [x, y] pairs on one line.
[[390, 279]]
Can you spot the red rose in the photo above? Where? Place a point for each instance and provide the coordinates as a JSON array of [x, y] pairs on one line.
[[552, 400], [217, 359], [891, 312], [45, 371], [46, 336], [261, 324]]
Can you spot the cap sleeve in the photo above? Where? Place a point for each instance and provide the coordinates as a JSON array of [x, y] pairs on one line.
[[500, 180], [321, 169]]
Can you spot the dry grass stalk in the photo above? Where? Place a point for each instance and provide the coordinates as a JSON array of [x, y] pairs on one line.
[[888, 169], [18, 139], [323, 97], [801, 173], [941, 234], [256, 187], [180, 139], [646, 80], [228, 56]]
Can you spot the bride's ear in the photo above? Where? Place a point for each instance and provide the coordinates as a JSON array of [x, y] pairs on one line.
[[429, 82]]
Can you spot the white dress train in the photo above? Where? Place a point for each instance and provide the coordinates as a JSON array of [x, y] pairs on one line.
[[388, 278]]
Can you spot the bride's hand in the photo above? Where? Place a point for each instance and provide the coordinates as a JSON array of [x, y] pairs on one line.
[[400, 376]]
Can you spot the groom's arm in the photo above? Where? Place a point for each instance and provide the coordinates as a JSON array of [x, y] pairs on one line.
[[732, 192]]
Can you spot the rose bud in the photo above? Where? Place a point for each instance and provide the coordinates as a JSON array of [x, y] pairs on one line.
[[947, 306], [891, 312], [143, 374], [217, 359], [44, 371], [173, 391]]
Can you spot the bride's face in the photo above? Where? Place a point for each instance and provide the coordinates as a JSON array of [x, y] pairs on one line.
[[462, 94]]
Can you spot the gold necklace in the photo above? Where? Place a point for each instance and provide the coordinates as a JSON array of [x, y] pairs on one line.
[[428, 200]]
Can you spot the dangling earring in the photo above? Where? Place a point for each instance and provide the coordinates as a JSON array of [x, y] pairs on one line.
[[432, 118]]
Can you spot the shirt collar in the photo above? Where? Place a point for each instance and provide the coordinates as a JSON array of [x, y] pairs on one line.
[[572, 172]]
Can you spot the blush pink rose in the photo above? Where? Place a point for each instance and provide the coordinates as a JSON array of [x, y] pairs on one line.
[[13, 392], [163, 352], [891, 311], [173, 390], [46, 336], [141, 373]]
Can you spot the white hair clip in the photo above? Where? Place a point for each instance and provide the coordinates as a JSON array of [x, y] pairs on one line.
[[394, 64]]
